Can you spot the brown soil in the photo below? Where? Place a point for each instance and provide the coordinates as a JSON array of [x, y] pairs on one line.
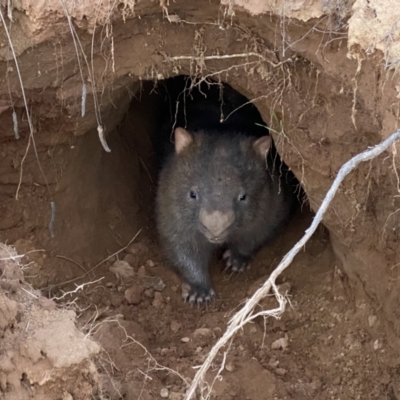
[[338, 338]]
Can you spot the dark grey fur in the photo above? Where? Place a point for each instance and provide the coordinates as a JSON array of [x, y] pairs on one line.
[[220, 168]]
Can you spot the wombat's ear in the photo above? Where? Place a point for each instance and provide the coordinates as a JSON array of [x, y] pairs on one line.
[[182, 139], [262, 145]]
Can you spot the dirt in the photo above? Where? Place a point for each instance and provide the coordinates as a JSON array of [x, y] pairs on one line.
[[90, 309], [43, 354]]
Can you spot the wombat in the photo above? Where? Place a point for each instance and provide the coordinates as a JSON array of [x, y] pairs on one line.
[[220, 187]]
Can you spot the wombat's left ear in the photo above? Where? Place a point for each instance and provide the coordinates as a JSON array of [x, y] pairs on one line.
[[182, 139], [262, 145]]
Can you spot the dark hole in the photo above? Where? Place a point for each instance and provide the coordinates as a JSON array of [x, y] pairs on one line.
[[160, 107]]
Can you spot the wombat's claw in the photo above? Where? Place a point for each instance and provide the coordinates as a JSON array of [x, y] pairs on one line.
[[194, 297], [233, 264], [227, 254]]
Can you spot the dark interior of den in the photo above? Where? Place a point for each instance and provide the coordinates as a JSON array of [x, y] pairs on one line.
[[212, 182]]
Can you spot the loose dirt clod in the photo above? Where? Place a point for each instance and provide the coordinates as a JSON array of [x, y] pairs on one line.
[[164, 393], [281, 343], [133, 294], [122, 270]]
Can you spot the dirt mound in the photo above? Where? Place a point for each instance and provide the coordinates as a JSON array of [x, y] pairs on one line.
[[43, 354]]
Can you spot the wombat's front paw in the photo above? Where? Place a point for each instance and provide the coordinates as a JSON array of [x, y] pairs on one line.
[[197, 295], [235, 262]]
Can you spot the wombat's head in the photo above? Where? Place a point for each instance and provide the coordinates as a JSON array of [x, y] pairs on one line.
[[218, 181]]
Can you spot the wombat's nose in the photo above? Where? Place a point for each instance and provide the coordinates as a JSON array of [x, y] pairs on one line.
[[217, 222]]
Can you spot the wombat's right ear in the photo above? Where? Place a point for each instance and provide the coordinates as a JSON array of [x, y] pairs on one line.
[[262, 145], [182, 139]]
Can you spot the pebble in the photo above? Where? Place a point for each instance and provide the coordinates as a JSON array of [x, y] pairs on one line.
[[137, 248], [67, 396], [131, 259], [149, 293], [164, 351], [185, 340], [273, 363], [203, 332], [336, 381], [280, 371], [230, 367], [150, 263], [121, 269], [377, 344], [175, 326], [281, 343], [116, 299], [372, 319], [133, 294], [142, 272], [158, 300], [164, 393], [155, 283], [285, 288]]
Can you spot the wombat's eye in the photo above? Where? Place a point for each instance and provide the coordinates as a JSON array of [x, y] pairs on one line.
[[193, 194], [242, 197]]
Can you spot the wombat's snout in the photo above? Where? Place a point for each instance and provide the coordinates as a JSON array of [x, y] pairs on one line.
[[216, 224]]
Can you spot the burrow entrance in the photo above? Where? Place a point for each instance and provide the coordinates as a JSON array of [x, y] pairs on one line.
[[113, 195]]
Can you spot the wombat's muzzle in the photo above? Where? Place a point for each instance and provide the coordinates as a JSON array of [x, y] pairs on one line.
[[216, 224]]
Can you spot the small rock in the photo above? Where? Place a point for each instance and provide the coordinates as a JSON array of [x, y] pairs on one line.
[[158, 300], [377, 344], [137, 248], [285, 288], [67, 396], [154, 282], [273, 363], [149, 293], [372, 320], [164, 393], [230, 367], [203, 336], [109, 284], [336, 380], [121, 269], [185, 340], [316, 385], [280, 371], [281, 343], [131, 259], [164, 351], [175, 326], [133, 294], [150, 263], [142, 272], [116, 299], [203, 332]]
